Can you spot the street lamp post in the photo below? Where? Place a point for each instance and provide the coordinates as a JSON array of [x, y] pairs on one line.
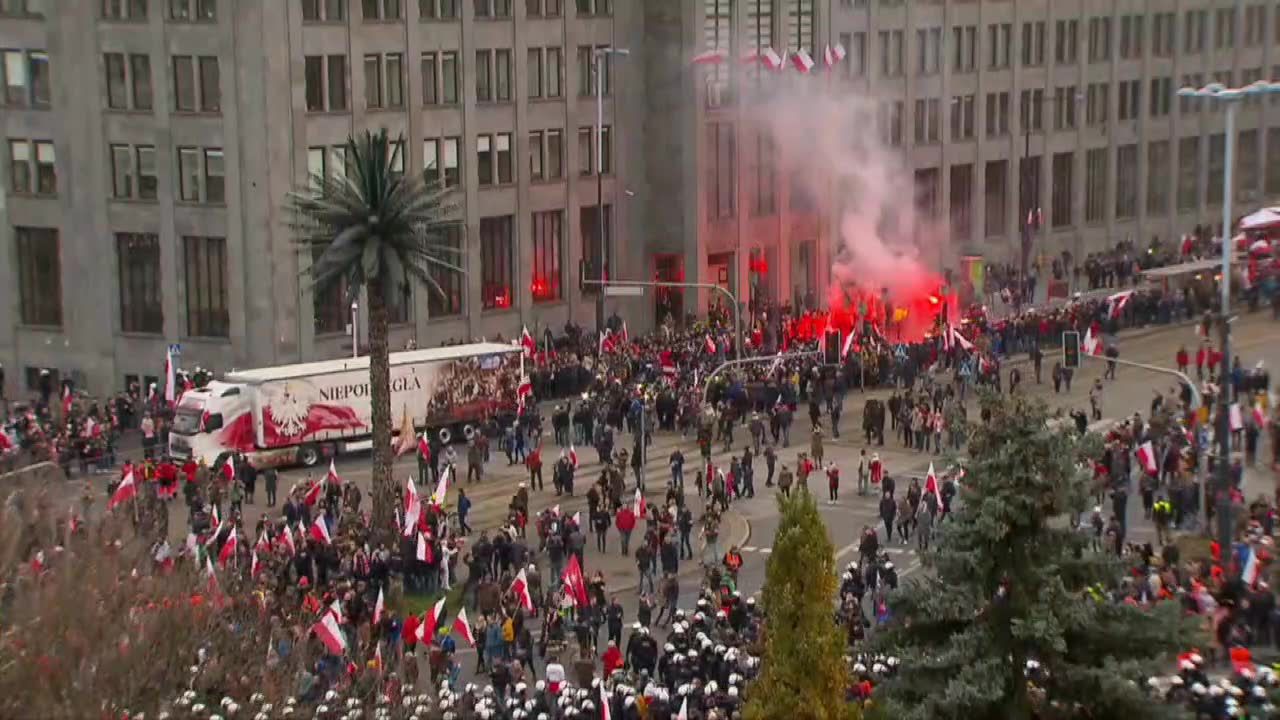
[[355, 329], [1232, 98], [600, 56]]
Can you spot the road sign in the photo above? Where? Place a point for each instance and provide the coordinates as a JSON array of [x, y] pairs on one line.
[[623, 291], [175, 349]]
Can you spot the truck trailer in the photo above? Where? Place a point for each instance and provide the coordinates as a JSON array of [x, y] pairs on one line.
[[300, 414]]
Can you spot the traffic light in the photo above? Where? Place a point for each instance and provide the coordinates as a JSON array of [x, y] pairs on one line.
[[1071, 349], [831, 347]]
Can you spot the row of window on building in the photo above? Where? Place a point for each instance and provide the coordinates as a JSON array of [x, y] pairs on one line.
[[1106, 38], [1102, 43], [204, 275], [1174, 169], [440, 75], [394, 10]]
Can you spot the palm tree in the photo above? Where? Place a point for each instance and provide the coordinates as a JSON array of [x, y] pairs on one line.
[[378, 230]]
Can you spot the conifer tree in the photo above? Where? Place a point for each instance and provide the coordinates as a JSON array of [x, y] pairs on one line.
[[804, 674], [1009, 581]]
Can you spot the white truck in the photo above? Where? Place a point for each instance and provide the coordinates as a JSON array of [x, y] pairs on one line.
[[300, 414]]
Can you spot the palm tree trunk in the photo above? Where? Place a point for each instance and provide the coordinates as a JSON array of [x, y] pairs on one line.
[[383, 498]]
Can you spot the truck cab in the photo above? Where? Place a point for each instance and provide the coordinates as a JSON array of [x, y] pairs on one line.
[[203, 418]]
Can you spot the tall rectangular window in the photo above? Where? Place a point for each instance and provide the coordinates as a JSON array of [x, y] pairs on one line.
[[999, 41], [555, 72], [215, 191], [121, 171], [313, 76], [373, 81], [451, 148], [961, 201], [1247, 174], [964, 41], [891, 53], [764, 200], [721, 170], [41, 82], [1159, 165], [184, 83], [449, 78], [928, 51], [1031, 110], [1062, 214], [1217, 165], [20, 168], [1099, 39], [1161, 100], [927, 121], [496, 258], [1064, 108], [1193, 31], [962, 117], [1271, 181], [1224, 28], [394, 72], [39, 276], [927, 182], [502, 72], [800, 26], [536, 154], [1188, 174], [1131, 37], [554, 165], [1066, 42], [533, 74], [1095, 186], [1033, 43], [995, 191], [1130, 100], [548, 237], [204, 264], [336, 76], [1126, 181], [484, 76], [592, 223], [140, 74], [117, 89], [430, 66], [138, 267], [1097, 109], [447, 299]]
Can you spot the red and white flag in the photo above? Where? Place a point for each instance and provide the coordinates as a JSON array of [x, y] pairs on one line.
[[264, 543], [710, 345], [228, 469], [523, 391], [520, 586], [211, 577], [606, 710], [430, 620], [771, 59], [848, 345], [1147, 456], [957, 338], [330, 633], [1236, 417], [424, 447], [626, 337], [574, 583], [1116, 303], [412, 507], [684, 709], [527, 342], [573, 459], [931, 485], [463, 627], [378, 608], [667, 362], [638, 505], [125, 491], [802, 62], [442, 486], [286, 541], [1091, 345], [1252, 568], [228, 550], [313, 493], [170, 376], [832, 56], [1259, 417], [66, 400], [320, 531], [333, 476], [255, 567], [711, 57], [424, 549], [577, 518]]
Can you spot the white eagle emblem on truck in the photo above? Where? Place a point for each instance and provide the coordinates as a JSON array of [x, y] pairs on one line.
[[289, 404]]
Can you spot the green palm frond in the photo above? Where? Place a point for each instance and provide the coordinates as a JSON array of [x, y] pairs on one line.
[[372, 224]]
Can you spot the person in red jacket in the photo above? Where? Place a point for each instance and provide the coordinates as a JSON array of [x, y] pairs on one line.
[[833, 482], [1181, 359], [1202, 354], [625, 521], [534, 463], [611, 659]]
